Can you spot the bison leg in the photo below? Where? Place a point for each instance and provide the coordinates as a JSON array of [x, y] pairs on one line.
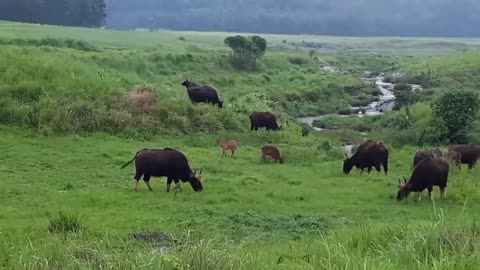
[[137, 177], [169, 183], [146, 180], [177, 188], [136, 185], [430, 193], [444, 192], [148, 186], [233, 152], [378, 168], [369, 169], [420, 196]]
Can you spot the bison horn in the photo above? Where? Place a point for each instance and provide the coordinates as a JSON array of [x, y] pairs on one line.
[[405, 179], [200, 171], [399, 181]]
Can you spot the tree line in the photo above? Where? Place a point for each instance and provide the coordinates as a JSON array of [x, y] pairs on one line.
[[336, 17], [86, 13]]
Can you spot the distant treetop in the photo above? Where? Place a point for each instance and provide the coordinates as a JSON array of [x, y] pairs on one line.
[[86, 13]]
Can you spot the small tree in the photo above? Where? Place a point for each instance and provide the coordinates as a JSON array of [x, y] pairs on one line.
[[405, 95], [456, 110], [246, 50]]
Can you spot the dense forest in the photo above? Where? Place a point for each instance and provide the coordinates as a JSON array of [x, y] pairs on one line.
[[335, 17], [87, 13]]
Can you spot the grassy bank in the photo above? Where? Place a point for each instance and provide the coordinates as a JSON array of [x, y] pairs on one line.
[[296, 212], [84, 75]]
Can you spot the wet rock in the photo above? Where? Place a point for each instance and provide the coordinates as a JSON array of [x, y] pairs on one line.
[[329, 69]]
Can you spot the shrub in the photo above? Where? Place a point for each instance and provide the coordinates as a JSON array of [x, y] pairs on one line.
[[456, 110], [65, 223], [298, 60]]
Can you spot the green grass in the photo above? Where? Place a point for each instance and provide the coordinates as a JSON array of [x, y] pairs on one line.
[[305, 214]]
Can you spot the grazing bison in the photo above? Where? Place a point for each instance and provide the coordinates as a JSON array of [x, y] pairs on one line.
[[165, 162], [428, 173], [271, 151], [266, 120], [468, 152], [455, 159], [230, 145], [421, 155], [369, 154], [202, 93]]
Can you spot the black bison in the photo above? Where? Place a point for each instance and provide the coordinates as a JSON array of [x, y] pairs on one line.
[[430, 172], [266, 120], [272, 152], [420, 155], [369, 154], [468, 152], [165, 162], [455, 159], [202, 93]]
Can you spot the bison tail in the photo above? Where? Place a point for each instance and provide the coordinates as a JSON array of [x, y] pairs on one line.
[[128, 163]]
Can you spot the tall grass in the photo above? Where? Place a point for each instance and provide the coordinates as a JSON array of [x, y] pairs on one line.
[[46, 82]]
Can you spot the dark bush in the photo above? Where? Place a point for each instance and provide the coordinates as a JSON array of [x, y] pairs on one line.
[[298, 60]]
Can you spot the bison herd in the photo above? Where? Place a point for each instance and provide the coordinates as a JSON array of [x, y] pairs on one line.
[[430, 167]]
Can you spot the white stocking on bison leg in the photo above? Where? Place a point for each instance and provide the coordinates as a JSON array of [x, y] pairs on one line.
[[136, 185], [148, 186], [420, 196], [146, 180], [444, 193]]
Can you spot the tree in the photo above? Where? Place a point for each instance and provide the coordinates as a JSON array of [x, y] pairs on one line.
[[246, 50], [87, 13], [456, 110], [405, 95]]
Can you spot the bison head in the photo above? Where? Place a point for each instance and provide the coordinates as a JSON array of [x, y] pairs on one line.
[[187, 83], [348, 164], [196, 181], [403, 189]]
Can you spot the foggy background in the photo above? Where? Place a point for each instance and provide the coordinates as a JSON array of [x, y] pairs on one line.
[[333, 17]]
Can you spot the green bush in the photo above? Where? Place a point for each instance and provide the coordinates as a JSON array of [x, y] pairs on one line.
[[298, 60], [65, 223], [455, 111]]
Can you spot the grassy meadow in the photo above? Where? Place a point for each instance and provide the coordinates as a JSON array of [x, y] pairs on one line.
[[304, 214], [66, 128]]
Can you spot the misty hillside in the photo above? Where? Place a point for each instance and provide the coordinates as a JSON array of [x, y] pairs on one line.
[[332, 17]]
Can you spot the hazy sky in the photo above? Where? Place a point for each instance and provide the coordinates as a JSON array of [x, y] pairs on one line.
[[342, 17]]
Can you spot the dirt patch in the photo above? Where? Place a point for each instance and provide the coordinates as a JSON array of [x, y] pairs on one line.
[[161, 241], [142, 100], [88, 256]]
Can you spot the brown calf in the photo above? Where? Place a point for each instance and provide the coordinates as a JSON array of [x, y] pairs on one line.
[[231, 145], [455, 159], [271, 151]]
